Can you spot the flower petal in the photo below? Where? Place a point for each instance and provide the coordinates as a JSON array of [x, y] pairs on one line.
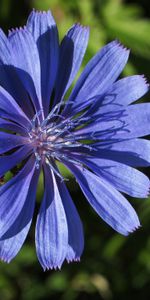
[[44, 30], [102, 70], [12, 241], [12, 126], [9, 79], [121, 93], [10, 141], [130, 122], [72, 50], [75, 229], [27, 62], [137, 121], [127, 90], [51, 228], [135, 152], [11, 110], [7, 162], [110, 205], [13, 195], [122, 177]]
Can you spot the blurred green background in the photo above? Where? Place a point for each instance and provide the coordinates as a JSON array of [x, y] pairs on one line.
[[112, 267]]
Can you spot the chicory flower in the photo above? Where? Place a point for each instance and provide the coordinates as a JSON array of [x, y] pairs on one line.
[[96, 133]]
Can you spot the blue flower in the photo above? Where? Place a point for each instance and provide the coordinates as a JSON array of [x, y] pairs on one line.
[[96, 134]]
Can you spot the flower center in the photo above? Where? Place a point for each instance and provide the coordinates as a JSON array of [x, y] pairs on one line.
[[54, 138], [44, 141]]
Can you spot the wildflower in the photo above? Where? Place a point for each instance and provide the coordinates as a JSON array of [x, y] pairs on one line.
[[96, 134]]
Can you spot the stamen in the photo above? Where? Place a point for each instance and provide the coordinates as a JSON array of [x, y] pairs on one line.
[[37, 160], [52, 113], [35, 118], [54, 168], [55, 134], [66, 158]]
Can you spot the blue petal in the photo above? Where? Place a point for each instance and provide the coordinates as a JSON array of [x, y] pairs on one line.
[[110, 205], [51, 228], [127, 90], [7, 162], [121, 93], [10, 141], [105, 126], [122, 177], [12, 241], [11, 126], [5, 49], [72, 50], [102, 70], [13, 195], [27, 62], [130, 122], [75, 229], [11, 110], [44, 30], [134, 152], [9, 79], [137, 121]]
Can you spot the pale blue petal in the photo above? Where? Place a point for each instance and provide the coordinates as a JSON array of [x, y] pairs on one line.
[[124, 178], [127, 90], [75, 229], [51, 228], [13, 195], [9, 79], [127, 123], [110, 205], [27, 62], [72, 50], [134, 152], [101, 71], [43, 28], [12, 241]]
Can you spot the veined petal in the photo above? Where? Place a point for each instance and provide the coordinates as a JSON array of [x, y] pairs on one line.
[[5, 49], [102, 70], [121, 93], [72, 50], [130, 122], [75, 229], [9, 79], [12, 241], [27, 62], [10, 141], [137, 121], [7, 162], [13, 195], [110, 205], [43, 28], [12, 126], [124, 178], [127, 90], [134, 152], [51, 228], [11, 110]]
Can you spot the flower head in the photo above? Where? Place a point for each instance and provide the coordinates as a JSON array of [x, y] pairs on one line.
[[96, 134]]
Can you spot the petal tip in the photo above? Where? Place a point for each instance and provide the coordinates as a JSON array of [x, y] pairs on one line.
[[121, 46], [5, 259], [75, 259], [52, 267], [145, 80]]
